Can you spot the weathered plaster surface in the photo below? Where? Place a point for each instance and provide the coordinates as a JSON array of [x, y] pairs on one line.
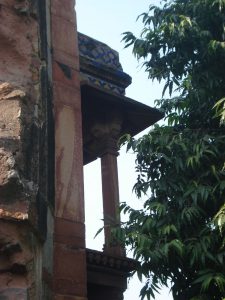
[[19, 264], [19, 43], [69, 191], [17, 192], [20, 122]]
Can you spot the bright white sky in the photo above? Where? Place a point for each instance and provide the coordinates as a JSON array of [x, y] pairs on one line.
[[106, 21]]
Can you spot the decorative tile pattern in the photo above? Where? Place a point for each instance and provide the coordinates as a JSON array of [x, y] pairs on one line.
[[98, 51], [103, 84]]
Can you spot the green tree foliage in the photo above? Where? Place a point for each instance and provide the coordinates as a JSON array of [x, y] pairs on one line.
[[178, 236]]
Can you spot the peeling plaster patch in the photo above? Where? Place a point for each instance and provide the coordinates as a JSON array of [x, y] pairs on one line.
[[15, 215], [8, 91], [10, 107], [10, 160], [7, 164], [19, 42]]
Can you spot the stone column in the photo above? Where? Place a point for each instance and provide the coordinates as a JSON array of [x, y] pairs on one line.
[[69, 232], [110, 193], [106, 134]]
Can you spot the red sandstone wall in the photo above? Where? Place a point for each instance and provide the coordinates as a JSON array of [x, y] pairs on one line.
[[42, 235], [69, 243]]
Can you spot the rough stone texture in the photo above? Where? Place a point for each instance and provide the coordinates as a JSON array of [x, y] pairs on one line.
[[19, 96], [19, 263], [16, 191], [19, 44], [10, 110], [21, 121]]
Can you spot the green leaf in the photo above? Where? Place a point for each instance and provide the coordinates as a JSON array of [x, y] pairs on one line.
[[180, 164]]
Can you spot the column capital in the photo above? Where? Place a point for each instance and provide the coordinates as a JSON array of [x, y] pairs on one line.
[[108, 145], [104, 135]]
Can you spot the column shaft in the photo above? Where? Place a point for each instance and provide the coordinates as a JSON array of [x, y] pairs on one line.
[[110, 192]]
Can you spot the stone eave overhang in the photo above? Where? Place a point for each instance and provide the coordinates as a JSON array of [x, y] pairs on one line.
[[97, 103], [138, 116]]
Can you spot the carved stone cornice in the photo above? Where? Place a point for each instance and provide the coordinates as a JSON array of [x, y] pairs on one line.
[[100, 259]]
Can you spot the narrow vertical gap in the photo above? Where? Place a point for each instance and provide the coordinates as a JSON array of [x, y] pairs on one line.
[[93, 205]]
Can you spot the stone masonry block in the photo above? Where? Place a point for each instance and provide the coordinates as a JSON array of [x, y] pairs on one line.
[[67, 95], [69, 233], [66, 75], [64, 41], [69, 276], [64, 9], [66, 58], [63, 33], [69, 167]]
